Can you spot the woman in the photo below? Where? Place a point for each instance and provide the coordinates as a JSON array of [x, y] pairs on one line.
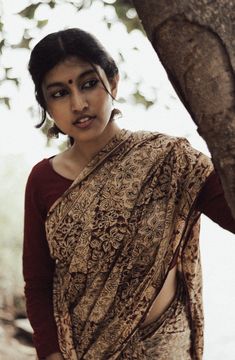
[[111, 257]]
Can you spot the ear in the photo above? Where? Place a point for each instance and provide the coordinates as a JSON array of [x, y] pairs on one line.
[[114, 85]]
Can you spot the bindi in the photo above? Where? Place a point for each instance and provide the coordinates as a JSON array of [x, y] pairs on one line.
[[70, 81]]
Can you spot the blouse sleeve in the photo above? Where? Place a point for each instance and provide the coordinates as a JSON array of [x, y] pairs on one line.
[[212, 203], [38, 270]]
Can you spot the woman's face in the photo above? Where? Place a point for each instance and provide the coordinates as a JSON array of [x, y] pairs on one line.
[[77, 100]]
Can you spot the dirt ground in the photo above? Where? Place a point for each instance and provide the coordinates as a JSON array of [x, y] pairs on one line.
[[14, 345]]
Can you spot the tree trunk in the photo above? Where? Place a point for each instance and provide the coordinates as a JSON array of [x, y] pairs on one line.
[[195, 41]]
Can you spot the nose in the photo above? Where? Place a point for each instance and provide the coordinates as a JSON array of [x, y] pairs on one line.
[[78, 102]]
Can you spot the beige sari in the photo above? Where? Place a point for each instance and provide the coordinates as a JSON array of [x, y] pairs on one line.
[[113, 235]]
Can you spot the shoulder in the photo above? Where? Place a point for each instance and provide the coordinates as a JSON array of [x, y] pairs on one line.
[[34, 190], [179, 149], [39, 172], [177, 143], [155, 141], [157, 138], [39, 183]]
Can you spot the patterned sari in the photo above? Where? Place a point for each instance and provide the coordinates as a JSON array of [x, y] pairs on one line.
[[113, 235]]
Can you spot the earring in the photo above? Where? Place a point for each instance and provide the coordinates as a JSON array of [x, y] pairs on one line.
[[116, 113], [53, 132]]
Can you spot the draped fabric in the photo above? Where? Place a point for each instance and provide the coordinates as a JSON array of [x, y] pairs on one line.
[[166, 338], [113, 235]]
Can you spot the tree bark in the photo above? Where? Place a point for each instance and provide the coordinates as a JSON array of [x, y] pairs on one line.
[[195, 41]]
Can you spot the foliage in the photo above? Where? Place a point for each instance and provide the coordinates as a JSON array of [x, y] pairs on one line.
[[125, 12]]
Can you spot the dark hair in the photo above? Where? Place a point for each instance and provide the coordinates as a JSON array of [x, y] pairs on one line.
[[56, 47]]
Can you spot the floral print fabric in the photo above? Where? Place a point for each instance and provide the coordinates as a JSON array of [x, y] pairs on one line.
[[113, 235]]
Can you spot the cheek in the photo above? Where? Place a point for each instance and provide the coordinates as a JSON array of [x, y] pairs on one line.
[[50, 108], [105, 102], [56, 111]]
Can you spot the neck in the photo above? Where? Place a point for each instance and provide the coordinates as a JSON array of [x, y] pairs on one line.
[[85, 151]]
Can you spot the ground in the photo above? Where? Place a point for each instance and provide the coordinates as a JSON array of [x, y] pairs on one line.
[[15, 338]]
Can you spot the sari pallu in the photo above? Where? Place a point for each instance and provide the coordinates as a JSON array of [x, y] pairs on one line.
[[113, 235]]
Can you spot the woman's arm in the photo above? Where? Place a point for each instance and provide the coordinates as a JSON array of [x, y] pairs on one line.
[[55, 356], [38, 271], [212, 203]]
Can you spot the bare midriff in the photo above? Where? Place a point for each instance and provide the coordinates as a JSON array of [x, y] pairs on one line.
[[164, 298]]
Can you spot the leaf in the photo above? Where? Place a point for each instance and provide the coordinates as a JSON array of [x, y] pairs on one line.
[[29, 11], [79, 4], [140, 99], [2, 43], [52, 4], [15, 80], [1, 26], [6, 101], [7, 69], [109, 24], [24, 44], [128, 3], [122, 8], [121, 57], [9, 78], [42, 23]]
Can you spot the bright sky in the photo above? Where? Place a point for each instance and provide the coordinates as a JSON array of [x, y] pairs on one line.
[[21, 145]]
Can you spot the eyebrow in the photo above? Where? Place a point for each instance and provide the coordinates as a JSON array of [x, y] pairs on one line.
[[80, 77]]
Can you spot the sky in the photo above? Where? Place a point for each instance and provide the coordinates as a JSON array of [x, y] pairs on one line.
[[21, 145]]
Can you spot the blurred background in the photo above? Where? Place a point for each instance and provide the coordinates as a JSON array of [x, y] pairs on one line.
[[147, 102]]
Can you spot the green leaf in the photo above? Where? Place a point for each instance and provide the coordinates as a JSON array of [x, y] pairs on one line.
[[1, 26], [121, 57], [24, 44], [140, 99], [42, 23], [109, 24], [29, 11], [7, 69], [52, 4], [122, 7], [2, 43], [6, 101]]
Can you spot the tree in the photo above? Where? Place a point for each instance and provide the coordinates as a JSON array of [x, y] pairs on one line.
[[194, 40]]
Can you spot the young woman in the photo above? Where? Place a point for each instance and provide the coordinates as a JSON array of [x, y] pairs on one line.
[[111, 256]]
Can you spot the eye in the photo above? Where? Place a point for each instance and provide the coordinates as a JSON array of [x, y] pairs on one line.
[[59, 93], [90, 84]]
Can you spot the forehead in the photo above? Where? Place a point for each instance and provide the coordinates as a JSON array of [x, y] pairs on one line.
[[70, 69]]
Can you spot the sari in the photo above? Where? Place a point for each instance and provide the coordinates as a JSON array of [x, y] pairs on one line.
[[114, 234]]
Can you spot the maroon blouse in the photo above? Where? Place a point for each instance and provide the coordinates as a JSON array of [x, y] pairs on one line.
[[43, 188]]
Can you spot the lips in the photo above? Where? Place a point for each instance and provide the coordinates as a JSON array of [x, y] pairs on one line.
[[84, 122], [83, 119]]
